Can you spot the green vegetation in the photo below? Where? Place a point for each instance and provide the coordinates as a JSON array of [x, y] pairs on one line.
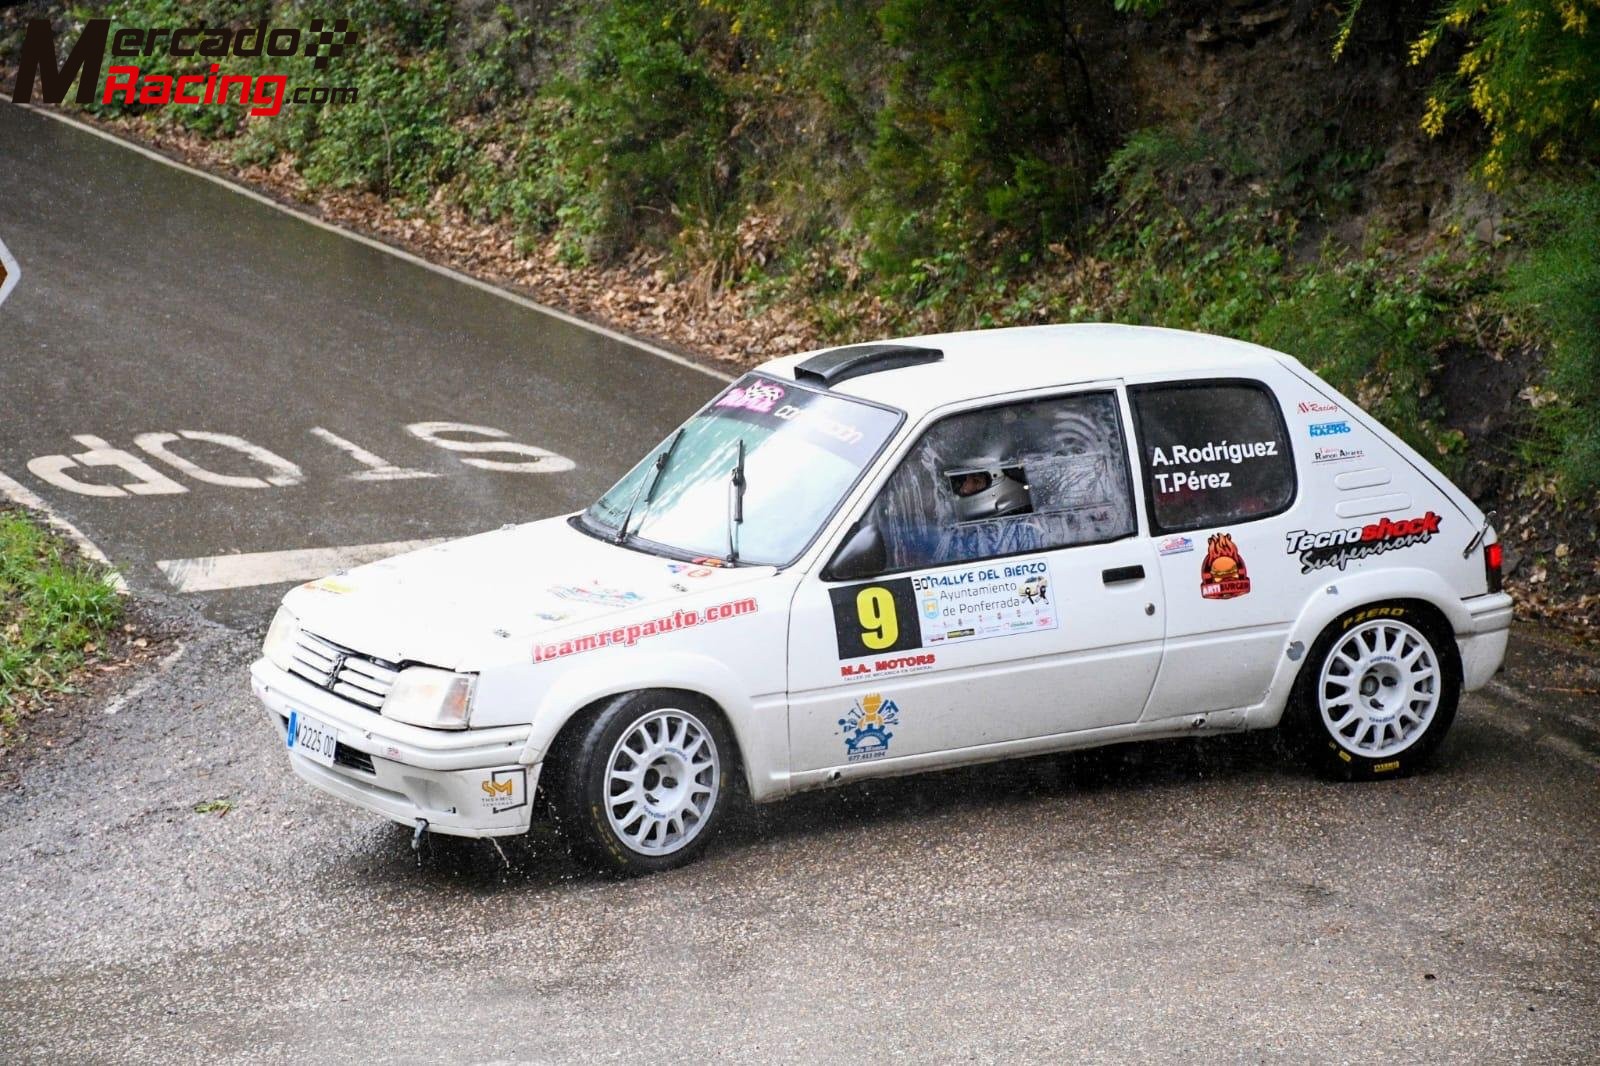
[[1529, 69], [54, 610], [1557, 287], [904, 165]]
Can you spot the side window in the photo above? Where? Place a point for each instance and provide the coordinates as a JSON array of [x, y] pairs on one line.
[[1004, 480], [1213, 454]]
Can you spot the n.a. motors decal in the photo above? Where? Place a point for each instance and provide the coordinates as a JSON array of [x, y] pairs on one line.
[[1339, 547]]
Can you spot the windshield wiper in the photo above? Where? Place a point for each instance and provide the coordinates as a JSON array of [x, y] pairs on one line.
[[737, 518], [647, 486]]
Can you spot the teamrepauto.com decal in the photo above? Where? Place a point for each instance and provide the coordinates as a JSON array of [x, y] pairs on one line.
[[213, 85], [629, 635], [1337, 547]]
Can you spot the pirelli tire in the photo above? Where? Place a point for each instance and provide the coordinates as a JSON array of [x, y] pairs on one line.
[[1377, 693], [642, 784]]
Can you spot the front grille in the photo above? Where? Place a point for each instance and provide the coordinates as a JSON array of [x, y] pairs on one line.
[[358, 678], [356, 760]]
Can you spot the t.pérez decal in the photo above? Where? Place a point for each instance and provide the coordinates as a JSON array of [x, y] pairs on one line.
[[1210, 453], [208, 84], [1338, 547]]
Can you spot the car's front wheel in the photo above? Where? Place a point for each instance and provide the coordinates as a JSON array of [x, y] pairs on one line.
[[639, 786], [1377, 693]]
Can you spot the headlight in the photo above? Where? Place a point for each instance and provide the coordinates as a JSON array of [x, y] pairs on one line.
[[437, 699], [279, 645]]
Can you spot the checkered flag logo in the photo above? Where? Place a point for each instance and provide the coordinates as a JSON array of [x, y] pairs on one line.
[[325, 44]]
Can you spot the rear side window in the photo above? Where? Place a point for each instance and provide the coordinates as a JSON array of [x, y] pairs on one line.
[[1213, 453]]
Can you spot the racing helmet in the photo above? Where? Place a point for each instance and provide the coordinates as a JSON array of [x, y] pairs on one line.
[[988, 490]]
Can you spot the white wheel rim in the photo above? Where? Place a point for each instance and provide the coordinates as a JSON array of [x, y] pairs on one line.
[[662, 782], [1379, 689]]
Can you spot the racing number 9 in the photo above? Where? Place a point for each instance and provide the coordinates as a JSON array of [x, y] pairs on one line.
[[875, 617], [880, 625]]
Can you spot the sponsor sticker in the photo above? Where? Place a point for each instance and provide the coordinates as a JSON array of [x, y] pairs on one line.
[[1340, 547], [688, 571], [1223, 575], [1175, 546], [336, 585], [759, 396], [1329, 429], [866, 727], [889, 667], [626, 636], [1337, 455], [596, 593], [504, 790], [924, 610], [1317, 407]]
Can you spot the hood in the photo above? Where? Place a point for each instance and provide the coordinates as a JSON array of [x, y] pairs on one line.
[[482, 600]]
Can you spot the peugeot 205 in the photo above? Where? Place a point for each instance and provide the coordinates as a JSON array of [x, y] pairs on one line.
[[888, 558]]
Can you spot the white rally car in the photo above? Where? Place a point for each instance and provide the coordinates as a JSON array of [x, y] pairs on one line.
[[888, 558]]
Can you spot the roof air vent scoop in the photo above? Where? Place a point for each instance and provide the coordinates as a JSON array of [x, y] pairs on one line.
[[841, 364]]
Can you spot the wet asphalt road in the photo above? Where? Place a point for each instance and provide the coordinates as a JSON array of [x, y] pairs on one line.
[[1177, 901], [153, 301], [1185, 901]]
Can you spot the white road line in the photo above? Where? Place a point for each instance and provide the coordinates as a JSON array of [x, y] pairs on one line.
[[149, 681], [21, 496], [371, 242], [214, 572]]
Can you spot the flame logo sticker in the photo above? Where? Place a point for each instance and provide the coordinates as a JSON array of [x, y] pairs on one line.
[[1222, 572]]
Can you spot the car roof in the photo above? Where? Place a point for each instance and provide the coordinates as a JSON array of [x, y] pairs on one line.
[[997, 361]]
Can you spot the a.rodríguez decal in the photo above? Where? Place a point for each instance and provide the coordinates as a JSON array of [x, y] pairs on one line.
[[1211, 453]]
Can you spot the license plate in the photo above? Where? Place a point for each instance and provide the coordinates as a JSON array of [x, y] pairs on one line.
[[311, 738]]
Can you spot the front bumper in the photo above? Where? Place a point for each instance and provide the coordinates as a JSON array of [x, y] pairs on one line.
[[465, 783], [1483, 646]]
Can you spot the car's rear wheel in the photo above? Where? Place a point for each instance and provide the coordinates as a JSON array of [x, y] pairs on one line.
[[639, 786], [1377, 693]]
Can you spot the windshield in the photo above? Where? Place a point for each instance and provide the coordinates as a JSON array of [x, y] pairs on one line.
[[803, 450]]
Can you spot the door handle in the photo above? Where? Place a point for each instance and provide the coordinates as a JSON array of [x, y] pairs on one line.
[[1118, 574]]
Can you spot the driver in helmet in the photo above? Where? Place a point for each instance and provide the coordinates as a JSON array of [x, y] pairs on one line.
[[989, 490]]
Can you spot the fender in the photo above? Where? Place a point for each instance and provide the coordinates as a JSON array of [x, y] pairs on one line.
[[1344, 592], [764, 750]]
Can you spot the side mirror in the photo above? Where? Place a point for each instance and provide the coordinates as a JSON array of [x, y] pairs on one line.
[[861, 556]]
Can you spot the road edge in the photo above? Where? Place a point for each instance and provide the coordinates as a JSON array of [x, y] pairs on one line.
[[25, 498]]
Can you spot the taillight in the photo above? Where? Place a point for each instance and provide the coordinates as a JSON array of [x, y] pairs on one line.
[[1492, 558]]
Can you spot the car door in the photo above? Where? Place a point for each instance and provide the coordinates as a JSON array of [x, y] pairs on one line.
[[1219, 476], [1016, 598]]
